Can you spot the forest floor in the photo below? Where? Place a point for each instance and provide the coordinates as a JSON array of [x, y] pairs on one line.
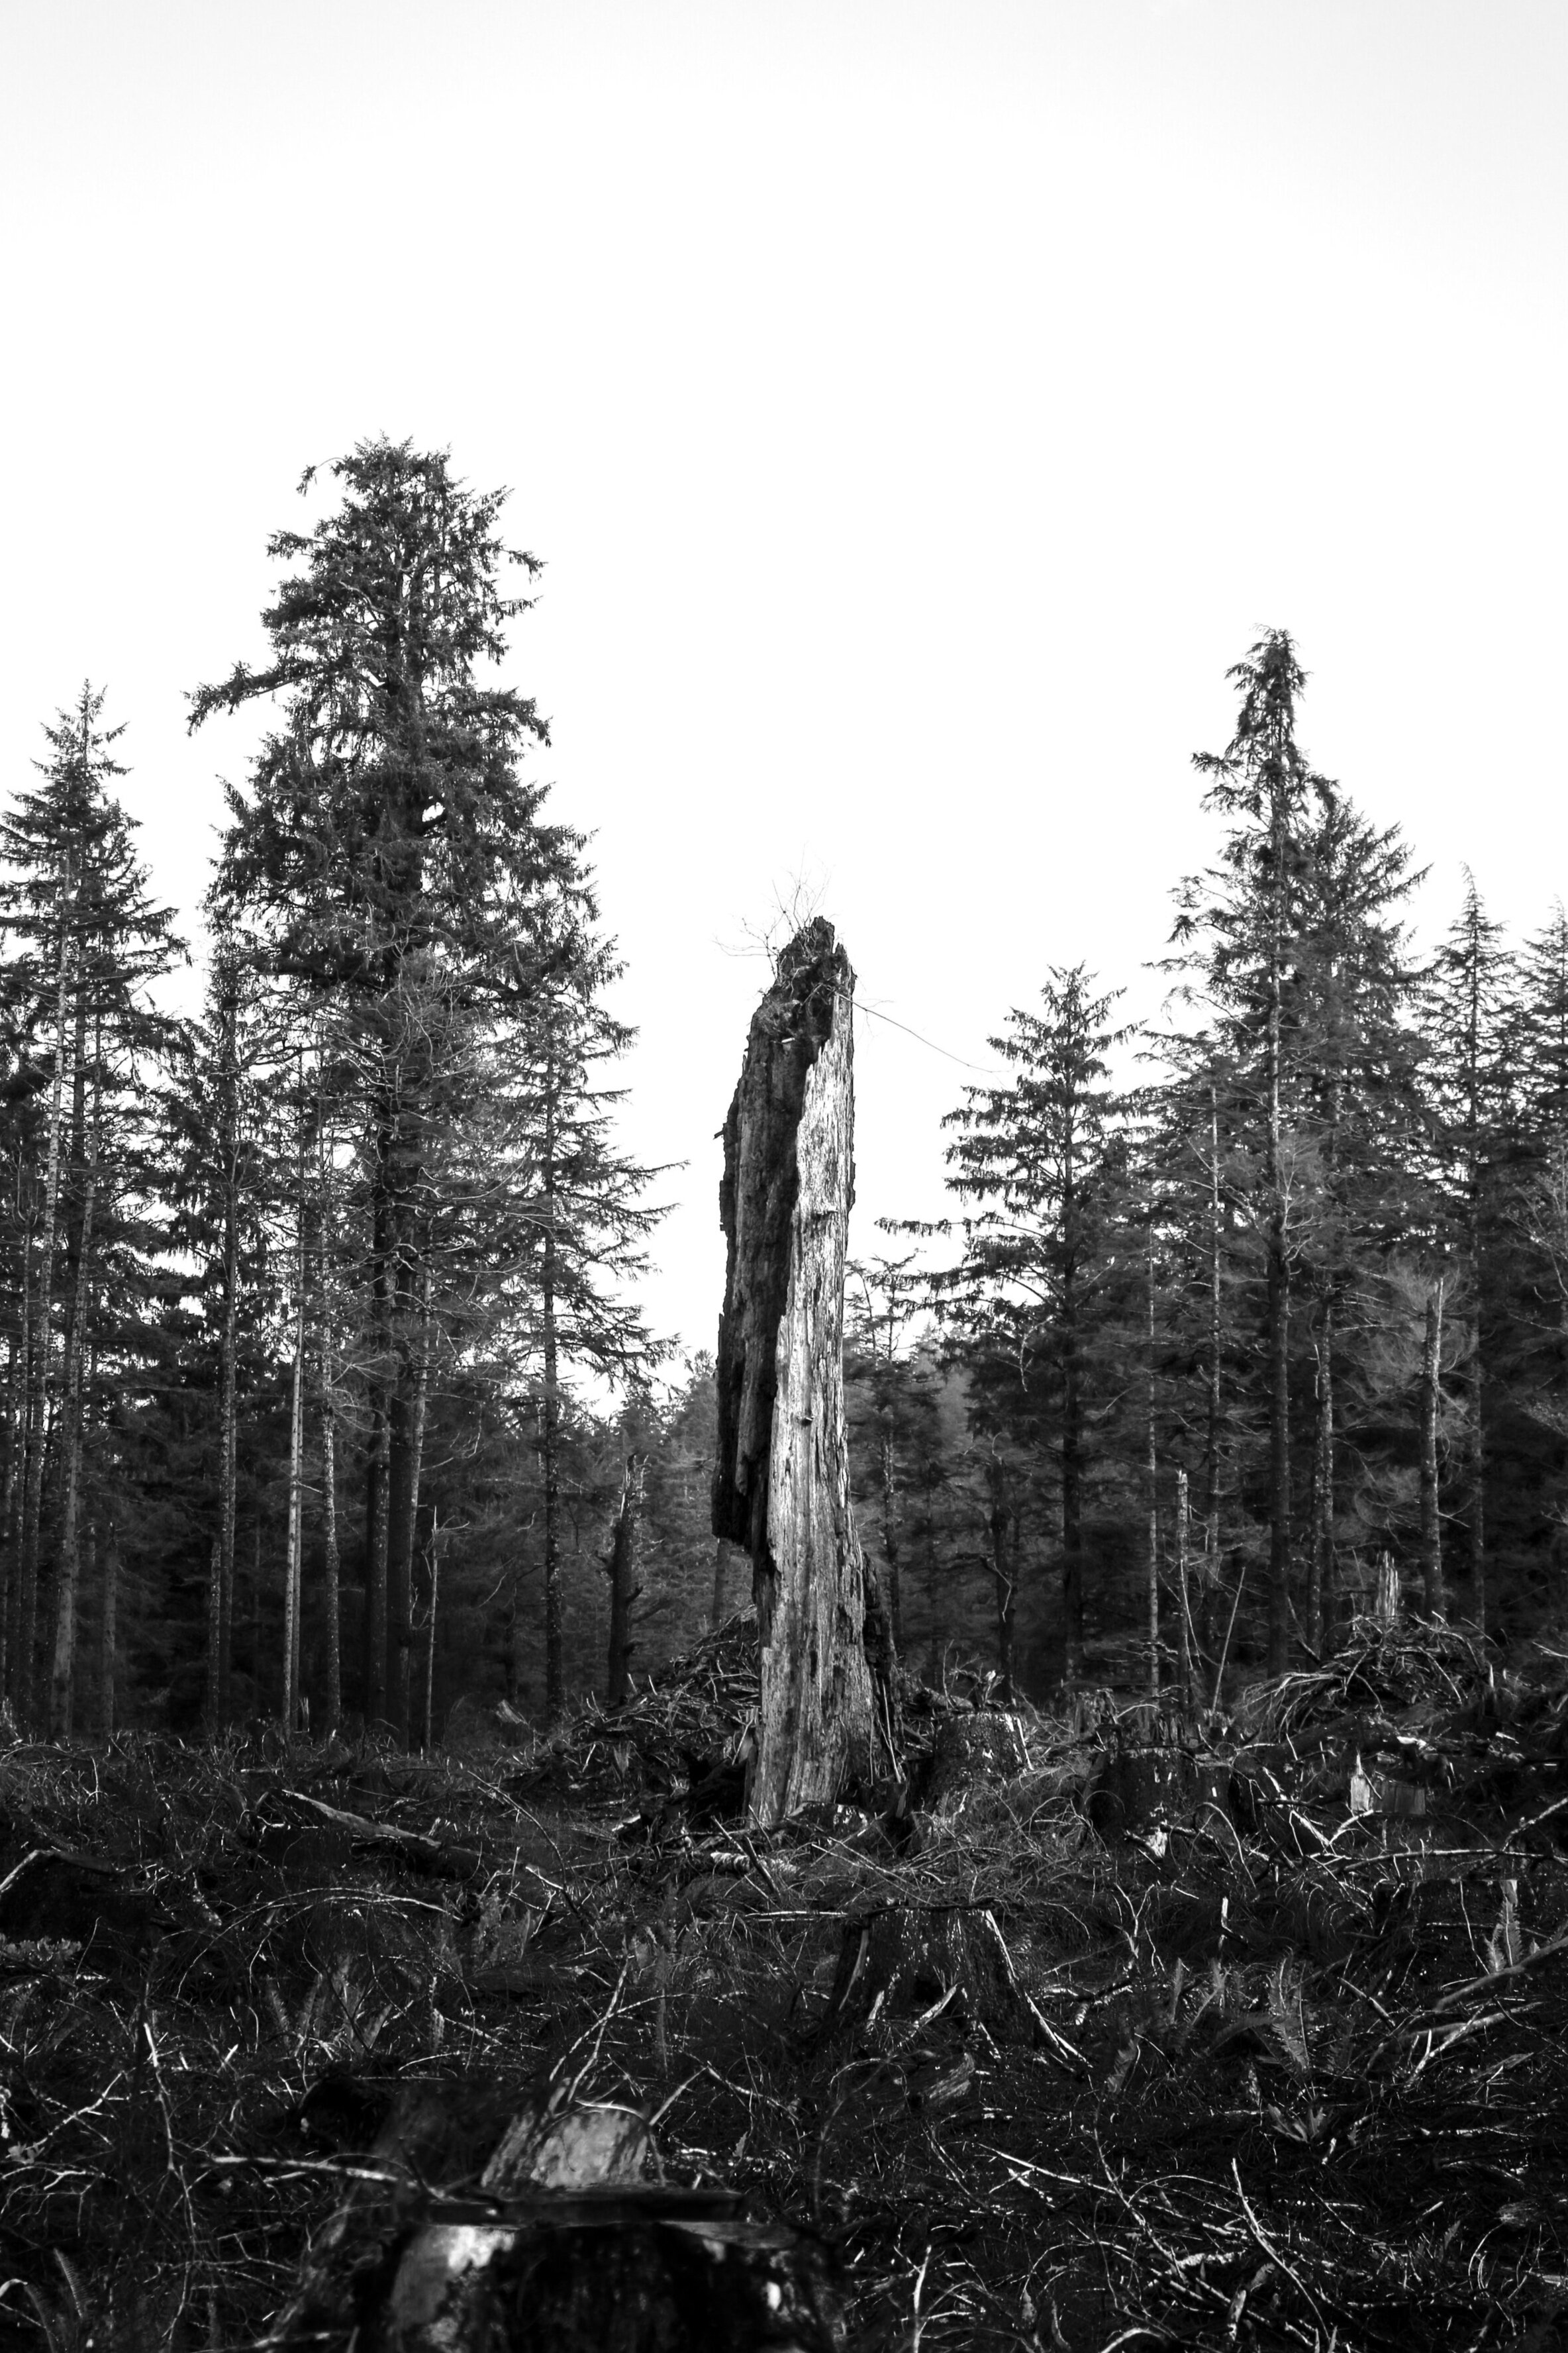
[[1124, 2037]]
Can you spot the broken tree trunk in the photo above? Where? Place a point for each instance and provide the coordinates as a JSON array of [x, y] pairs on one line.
[[781, 1486]]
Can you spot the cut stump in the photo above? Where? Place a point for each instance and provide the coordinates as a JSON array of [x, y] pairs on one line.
[[573, 2244]]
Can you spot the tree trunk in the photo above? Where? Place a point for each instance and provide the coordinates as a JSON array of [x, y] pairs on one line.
[[407, 1454], [214, 1640], [400, 1512], [891, 1540], [1433, 1601], [256, 1614], [401, 1508], [12, 1442], [1478, 1466], [108, 1634], [221, 1696], [1476, 1371], [720, 1565], [229, 1462], [428, 1713], [33, 1494], [379, 1466], [291, 1581], [782, 1485], [1151, 1489], [16, 1463], [1321, 1589], [1278, 1441], [68, 1578], [624, 1548], [1002, 1578], [1185, 1596], [1072, 1489], [550, 1419], [1278, 1283], [1214, 1398], [332, 1714]]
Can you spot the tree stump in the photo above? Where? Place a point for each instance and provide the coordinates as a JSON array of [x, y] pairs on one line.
[[781, 1486], [973, 1752], [573, 2244]]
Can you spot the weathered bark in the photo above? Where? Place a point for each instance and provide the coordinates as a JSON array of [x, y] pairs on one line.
[[1434, 1599], [782, 1485], [624, 1545]]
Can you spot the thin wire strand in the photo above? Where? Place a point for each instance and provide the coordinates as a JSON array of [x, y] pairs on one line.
[[986, 1070]]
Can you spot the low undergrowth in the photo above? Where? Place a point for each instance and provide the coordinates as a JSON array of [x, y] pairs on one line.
[[1145, 2034]]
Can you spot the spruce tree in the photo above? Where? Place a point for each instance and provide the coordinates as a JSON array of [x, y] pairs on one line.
[[1364, 1168], [1023, 1307], [89, 942], [1465, 1020], [389, 858], [1243, 937]]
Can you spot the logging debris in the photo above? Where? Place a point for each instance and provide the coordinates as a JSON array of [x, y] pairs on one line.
[[1241, 2060]]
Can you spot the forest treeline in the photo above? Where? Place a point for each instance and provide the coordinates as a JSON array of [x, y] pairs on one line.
[[326, 1392]]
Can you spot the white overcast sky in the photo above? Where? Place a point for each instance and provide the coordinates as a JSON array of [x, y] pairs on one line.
[[918, 408]]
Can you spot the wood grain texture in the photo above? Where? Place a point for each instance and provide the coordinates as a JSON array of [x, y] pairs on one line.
[[782, 1487]]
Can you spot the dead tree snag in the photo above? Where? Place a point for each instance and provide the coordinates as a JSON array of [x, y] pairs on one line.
[[781, 1486]]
